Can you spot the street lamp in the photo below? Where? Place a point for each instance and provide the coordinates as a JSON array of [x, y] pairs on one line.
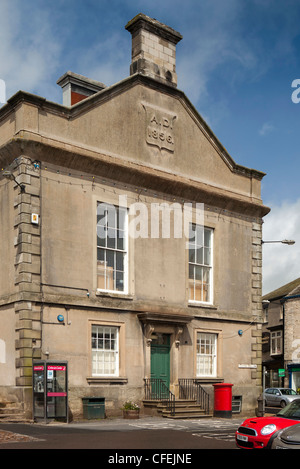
[[290, 242], [9, 175]]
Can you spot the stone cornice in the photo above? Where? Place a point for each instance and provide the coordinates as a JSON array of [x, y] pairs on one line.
[[68, 155]]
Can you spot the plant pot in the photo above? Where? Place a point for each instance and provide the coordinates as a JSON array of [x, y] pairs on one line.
[[131, 414]]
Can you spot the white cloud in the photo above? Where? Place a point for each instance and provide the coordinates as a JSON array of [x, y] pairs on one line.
[[29, 47], [266, 129], [281, 263], [107, 61]]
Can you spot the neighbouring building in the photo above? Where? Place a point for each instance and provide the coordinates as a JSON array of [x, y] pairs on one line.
[[281, 336], [130, 241]]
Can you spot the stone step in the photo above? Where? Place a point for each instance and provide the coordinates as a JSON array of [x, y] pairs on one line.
[[188, 411], [159, 402], [180, 404], [184, 408], [181, 409], [184, 415], [11, 412], [14, 418]]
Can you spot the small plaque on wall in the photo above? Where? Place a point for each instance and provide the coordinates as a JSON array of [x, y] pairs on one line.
[[34, 219]]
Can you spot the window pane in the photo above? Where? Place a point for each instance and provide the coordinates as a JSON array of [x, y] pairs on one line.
[[121, 240], [207, 256], [120, 261], [198, 273], [192, 233], [100, 255], [112, 216], [101, 215], [120, 281], [207, 238], [121, 218], [101, 235], [111, 238], [199, 235], [199, 258], [192, 253], [110, 258]]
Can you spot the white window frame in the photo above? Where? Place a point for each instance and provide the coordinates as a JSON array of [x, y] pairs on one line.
[[206, 354], [196, 245], [102, 350], [108, 274], [276, 343]]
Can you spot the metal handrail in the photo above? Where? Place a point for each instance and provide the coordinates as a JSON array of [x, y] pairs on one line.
[[189, 388], [156, 389]]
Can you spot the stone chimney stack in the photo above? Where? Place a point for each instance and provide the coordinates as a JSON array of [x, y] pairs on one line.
[[77, 87], [153, 49]]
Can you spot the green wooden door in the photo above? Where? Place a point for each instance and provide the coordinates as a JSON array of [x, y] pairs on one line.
[[160, 359]]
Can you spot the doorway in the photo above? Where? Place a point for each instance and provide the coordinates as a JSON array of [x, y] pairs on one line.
[[160, 358]]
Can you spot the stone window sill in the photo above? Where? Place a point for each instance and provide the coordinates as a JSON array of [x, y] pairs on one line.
[[107, 380], [107, 294]]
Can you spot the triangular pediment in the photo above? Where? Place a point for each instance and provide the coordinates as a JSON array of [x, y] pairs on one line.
[[137, 126]]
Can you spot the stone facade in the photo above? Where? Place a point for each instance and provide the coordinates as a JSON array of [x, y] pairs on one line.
[[138, 145], [281, 336], [291, 338]]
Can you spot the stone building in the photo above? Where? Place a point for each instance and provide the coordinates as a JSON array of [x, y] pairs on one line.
[[281, 336], [130, 240]]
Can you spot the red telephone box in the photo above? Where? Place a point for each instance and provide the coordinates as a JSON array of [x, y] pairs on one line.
[[50, 390]]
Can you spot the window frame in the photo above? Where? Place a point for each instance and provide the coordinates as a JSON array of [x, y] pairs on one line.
[[213, 356], [115, 250], [209, 267], [276, 336], [108, 350]]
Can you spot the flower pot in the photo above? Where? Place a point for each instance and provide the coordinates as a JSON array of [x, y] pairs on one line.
[[131, 414]]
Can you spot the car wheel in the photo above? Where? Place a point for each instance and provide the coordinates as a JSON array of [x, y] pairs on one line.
[[282, 404]]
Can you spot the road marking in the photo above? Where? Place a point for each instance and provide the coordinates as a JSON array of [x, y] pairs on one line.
[[189, 425], [159, 426], [216, 436]]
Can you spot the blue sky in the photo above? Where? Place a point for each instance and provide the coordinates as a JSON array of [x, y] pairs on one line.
[[236, 63]]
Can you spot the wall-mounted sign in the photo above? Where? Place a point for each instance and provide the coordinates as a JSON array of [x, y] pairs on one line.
[[248, 366], [34, 218]]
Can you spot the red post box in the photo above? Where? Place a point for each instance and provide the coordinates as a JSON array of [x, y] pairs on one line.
[[223, 400]]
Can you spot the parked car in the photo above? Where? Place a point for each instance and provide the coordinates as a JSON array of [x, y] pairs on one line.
[[279, 396], [288, 438], [259, 432]]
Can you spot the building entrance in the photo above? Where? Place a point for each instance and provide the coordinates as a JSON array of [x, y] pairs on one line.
[[160, 358]]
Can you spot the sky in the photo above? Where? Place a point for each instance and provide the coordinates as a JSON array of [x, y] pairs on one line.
[[238, 63]]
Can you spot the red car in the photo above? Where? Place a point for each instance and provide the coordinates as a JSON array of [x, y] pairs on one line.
[[259, 432]]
